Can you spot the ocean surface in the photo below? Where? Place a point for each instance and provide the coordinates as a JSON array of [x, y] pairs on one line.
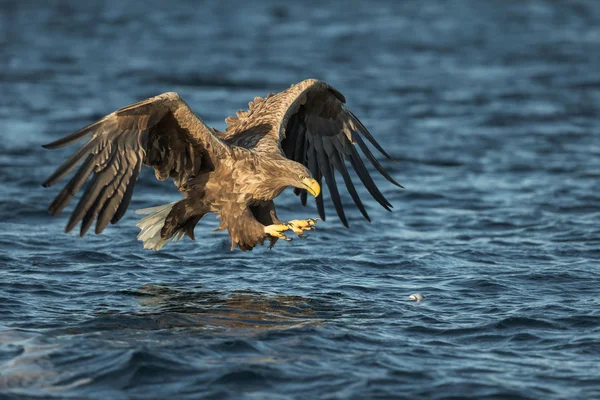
[[492, 110]]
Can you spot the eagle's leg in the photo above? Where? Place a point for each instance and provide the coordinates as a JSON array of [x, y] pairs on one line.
[[301, 225], [265, 213]]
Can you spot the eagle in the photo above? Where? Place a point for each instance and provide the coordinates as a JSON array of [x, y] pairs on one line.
[[295, 138]]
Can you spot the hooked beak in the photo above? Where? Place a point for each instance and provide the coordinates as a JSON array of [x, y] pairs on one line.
[[311, 186]]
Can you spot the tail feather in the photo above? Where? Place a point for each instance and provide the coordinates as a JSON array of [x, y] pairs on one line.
[[152, 224]]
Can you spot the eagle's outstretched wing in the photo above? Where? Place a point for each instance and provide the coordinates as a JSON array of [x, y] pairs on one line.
[[161, 132], [309, 123]]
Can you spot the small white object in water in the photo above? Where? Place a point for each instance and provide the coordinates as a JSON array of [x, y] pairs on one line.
[[418, 297]]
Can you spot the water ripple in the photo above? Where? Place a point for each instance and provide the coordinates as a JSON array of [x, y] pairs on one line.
[[490, 109]]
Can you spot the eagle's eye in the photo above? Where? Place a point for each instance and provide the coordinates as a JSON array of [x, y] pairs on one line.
[[301, 177]]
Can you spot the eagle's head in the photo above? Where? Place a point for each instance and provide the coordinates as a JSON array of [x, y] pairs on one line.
[[297, 175], [309, 184]]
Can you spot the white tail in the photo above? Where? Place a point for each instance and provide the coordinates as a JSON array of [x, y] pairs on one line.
[[152, 224]]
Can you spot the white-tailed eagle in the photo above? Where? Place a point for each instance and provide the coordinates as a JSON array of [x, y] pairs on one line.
[[297, 138]]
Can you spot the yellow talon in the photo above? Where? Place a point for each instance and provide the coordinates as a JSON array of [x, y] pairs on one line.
[[276, 230], [301, 225]]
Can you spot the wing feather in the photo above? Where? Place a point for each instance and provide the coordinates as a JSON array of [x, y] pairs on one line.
[[366, 179], [69, 165], [111, 205], [328, 173], [92, 192], [340, 166], [317, 130], [67, 193], [75, 137], [124, 204], [373, 160], [365, 132], [313, 167], [106, 193], [161, 132]]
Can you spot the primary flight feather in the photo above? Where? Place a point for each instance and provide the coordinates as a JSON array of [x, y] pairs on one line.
[[295, 138]]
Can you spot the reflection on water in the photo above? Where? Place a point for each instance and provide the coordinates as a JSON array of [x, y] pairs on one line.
[[226, 322], [164, 307]]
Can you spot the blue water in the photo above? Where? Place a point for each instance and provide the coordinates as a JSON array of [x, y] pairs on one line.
[[492, 109]]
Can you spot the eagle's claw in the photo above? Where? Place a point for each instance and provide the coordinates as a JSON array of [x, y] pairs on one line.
[[276, 231], [301, 225], [296, 225]]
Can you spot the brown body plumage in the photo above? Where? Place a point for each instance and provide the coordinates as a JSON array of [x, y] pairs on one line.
[[294, 138]]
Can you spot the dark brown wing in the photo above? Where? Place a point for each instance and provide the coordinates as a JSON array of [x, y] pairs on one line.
[[161, 132], [318, 131]]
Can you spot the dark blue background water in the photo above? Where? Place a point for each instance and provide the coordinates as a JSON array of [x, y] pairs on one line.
[[492, 109]]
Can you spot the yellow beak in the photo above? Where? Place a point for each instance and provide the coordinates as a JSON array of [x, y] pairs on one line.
[[311, 186]]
